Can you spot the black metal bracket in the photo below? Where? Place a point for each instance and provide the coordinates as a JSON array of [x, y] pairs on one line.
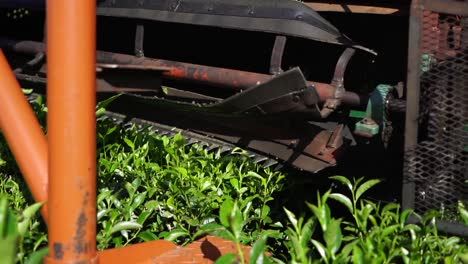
[[139, 38], [286, 93], [277, 55], [338, 82]]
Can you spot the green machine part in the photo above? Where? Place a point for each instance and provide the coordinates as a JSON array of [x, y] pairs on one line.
[[427, 61], [374, 119]]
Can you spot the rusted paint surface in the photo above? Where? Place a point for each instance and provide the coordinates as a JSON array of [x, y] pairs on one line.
[[440, 37], [71, 118], [210, 76], [58, 251], [81, 246], [373, 8]]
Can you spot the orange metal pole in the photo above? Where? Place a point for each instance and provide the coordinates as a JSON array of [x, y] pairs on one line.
[[71, 49], [23, 133]]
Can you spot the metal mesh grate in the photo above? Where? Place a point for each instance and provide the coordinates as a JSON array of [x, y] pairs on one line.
[[438, 164]]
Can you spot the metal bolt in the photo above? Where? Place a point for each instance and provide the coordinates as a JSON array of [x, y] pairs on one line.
[[293, 143]]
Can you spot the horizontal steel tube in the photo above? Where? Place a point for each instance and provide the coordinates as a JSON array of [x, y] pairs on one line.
[[207, 75]]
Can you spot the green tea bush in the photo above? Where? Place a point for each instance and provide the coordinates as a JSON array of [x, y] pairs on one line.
[[372, 233], [155, 187]]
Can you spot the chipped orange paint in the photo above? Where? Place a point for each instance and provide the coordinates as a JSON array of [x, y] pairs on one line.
[[196, 75], [71, 118], [178, 73]]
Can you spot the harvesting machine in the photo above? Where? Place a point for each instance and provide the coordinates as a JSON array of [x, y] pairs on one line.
[[285, 80]]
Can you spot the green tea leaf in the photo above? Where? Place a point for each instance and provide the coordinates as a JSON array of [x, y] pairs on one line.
[[292, 218], [348, 247], [4, 210], [130, 189], [138, 200], [343, 200], [333, 236], [8, 247], [358, 256], [389, 230], [452, 241], [464, 257], [39, 241], [235, 183], [463, 213], [229, 258], [28, 213], [125, 225], [38, 256], [101, 106], [258, 250], [320, 248], [225, 212], [129, 143], [366, 186], [142, 217], [209, 229], [236, 220], [344, 181], [152, 205], [175, 234], [321, 214], [307, 232], [265, 212], [102, 213], [147, 236], [11, 225], [27, 91], [404, 217], [170, 202]]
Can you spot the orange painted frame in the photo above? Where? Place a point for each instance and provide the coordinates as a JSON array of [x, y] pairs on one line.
[[62, 171], [71, 121], [23, 133]]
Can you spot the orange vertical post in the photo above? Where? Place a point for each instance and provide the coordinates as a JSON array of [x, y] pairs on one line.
[[71, 49], [23, 133]]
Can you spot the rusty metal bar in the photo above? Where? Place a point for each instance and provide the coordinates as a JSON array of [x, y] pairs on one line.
[[71, 40], [414, 60], [329, 6], [446, 6], [201, 74], [23, 133], [412, 94]]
